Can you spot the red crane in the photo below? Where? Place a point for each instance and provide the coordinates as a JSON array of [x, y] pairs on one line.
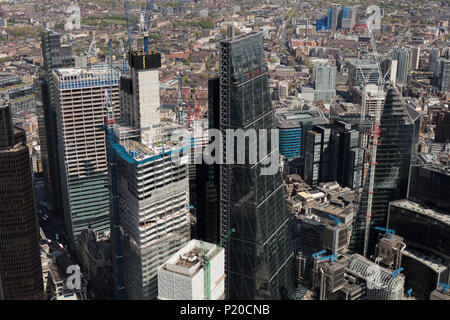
[[199, 101], [28, 116], [188, 104]]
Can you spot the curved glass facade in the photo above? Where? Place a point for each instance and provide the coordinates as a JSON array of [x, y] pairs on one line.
[[424, 229], [291, 142], [437, 182]]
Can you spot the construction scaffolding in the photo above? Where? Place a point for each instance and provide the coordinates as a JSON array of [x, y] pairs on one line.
[[94, 76]]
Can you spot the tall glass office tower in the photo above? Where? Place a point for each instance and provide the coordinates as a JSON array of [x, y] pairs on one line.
[[398, 132], [54, 55], [20, 262], [402, 56], [259, 255]]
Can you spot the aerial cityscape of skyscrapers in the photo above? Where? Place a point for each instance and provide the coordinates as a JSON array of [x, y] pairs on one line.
[[224, 150]]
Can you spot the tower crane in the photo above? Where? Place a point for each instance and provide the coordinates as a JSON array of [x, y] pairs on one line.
[[206, 260], [203, 94], [397, 272], [92, 51], [332, 258], [188, 104], [335, 219], [130, 43], [147, 20], [123, 52], [409, 292], [180, 99], [318, 254], [388, 231], [445, 287], [28, 116]]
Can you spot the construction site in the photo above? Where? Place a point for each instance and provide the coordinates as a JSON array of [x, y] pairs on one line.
[[185, 275]]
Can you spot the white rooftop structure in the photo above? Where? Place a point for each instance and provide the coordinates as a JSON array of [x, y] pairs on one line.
[[182, 277]]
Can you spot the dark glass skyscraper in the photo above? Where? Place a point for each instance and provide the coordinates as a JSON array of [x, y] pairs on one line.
[[259, 261], [20, 261], [430, 185], [54, 55], [207, 176], [398, 133]]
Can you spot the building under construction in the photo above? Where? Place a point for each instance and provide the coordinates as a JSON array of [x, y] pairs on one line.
[[184, 275], [149, 185], [79, 101]]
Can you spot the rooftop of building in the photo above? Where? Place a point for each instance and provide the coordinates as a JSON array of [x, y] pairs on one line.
[[92, 71], [345, 214], [364, 63], [346, 108], [431, 263], [422, 209], [164, 140], [292, 118], [242, 37], [438, 167], [371, 90], [189, 260]]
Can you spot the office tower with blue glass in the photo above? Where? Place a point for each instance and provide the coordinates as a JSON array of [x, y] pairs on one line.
[[79, 99], [321, 23], [333, 17], [293, 125], [348, 18], [259, 254]]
